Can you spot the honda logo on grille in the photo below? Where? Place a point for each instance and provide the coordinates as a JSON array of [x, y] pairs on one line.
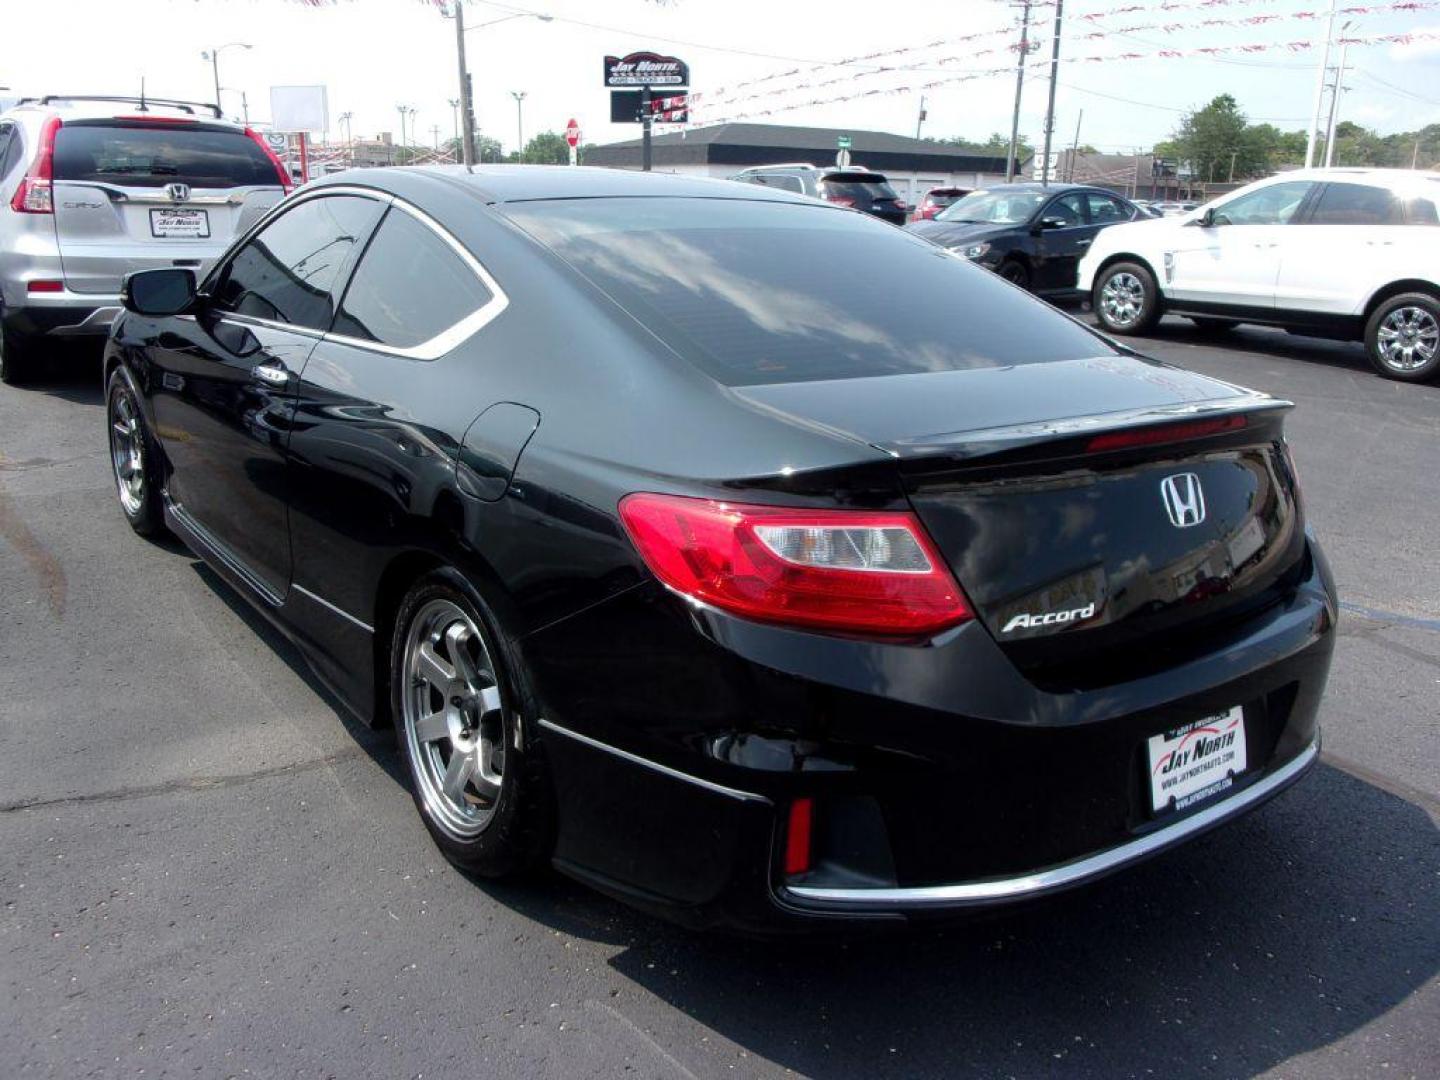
[[178, 192], [1184, 499]]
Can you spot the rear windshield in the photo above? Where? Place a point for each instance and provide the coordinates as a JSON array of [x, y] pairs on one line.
[[760, 292], [858, 188], [153, 156]]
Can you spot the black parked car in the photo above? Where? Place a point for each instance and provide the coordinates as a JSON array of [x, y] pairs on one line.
[[1031, 235], [741, 586]]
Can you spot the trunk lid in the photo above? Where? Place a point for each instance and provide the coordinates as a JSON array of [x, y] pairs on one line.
[[1111, 518], [133, 195]]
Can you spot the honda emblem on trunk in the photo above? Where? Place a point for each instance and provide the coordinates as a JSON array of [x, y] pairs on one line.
[[1184, 499], [178, 192]]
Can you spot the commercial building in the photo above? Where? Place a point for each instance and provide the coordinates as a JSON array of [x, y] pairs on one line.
[[913, 166]]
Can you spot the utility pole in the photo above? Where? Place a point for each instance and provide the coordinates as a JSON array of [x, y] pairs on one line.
[[1233, 155], [1010, 160], [519, 97], [245, 107], [435, 133], [921, 118], [401, 110], [1415, 154], [1054, 76], [1335, 92], [1075, 146], [467, 102], [1319, 88]]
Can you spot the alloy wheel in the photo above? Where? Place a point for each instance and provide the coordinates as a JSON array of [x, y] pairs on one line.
[[1408, 339], [1122, 299], [127, 452], [453, 715]]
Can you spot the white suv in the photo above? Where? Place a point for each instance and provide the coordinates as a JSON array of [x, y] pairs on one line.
[[94, 188], [1340, 253]]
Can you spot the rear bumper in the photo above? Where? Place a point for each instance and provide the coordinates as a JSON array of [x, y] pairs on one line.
[[63, 314], [943, 782]]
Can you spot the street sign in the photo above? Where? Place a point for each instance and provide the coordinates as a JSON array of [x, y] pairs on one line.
[[646, 69], [572, 133], [843, 142]]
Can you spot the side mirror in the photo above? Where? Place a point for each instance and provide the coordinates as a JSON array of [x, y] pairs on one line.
[[168, 291], [1207, 219]]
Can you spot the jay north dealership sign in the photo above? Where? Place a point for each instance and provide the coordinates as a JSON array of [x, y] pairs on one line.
[[646, 69]]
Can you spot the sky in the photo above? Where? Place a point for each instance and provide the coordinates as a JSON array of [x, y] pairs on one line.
[[375, 55]]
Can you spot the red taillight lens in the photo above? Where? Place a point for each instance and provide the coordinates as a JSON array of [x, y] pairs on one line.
[[840, 200], [35, 195], [797, 836], [280, 170], [1169, 433], [849, 571], [45, 286]]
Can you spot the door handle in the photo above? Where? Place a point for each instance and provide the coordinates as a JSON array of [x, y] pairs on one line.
[[274, 374], [1083, 243]]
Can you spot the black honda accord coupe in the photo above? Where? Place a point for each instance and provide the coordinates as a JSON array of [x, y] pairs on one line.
[[740, 555]]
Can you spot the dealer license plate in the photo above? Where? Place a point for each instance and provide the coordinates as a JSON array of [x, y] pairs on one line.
[[183, 224], [1198, 761]]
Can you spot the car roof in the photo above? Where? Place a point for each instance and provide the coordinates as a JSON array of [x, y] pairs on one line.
[[520, 183]]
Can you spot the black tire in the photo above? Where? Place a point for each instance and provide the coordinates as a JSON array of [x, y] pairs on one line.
[[517, 832], [138, 491], [1206, 325], [1015, 272], [1410, 320], [1135, 307], [17, 358]]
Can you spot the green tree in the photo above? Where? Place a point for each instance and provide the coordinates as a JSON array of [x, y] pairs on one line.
[[546, 148], [488, 149], [1216, 139]]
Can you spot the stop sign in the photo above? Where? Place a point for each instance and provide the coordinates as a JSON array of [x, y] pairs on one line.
[[572, 133]]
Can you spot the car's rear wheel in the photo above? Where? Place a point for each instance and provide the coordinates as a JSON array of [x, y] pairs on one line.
[[16, 360], [1402, 337], [1126, 299], [1015, 272], [476, 773], [132, 458], [1213, 326]]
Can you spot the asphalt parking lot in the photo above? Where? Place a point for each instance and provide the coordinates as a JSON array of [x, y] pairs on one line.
[[205, 868]]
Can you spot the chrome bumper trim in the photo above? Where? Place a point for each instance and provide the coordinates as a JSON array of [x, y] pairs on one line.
[[1068, 874], [636, 759]]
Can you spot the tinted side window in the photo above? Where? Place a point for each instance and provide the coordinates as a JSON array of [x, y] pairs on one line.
[[784, 183], [1104, 209], [288, 271], [1357, 204], [1422, 212], [409, 287], [6, 131], [1067, 208], [1273, 205]]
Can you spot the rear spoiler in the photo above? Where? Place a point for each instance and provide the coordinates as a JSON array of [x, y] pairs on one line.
[[1244, 415]]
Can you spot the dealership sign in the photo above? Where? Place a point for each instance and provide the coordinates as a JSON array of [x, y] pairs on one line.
[[646, 69]]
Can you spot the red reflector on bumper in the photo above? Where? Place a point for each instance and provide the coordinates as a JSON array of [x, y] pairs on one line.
[[797, 837], [45, 286]]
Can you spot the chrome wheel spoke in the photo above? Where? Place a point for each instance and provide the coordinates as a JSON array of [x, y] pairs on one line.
[[434, 669], [457, 640], [457, 774], [432, 726], [489, 700], [486, 784]]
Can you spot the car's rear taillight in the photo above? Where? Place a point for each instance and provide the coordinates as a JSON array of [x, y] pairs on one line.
[[840, 200], [860, 572], [36, 193], [280, 170]]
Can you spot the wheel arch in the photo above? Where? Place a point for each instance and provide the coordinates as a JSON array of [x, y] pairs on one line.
[[1396, 288], [1127, 256]]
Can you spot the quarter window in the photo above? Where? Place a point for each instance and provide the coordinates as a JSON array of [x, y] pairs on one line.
[[288, 272], [1422, 212], [1272, 205], [410, 287], [1357, 204]]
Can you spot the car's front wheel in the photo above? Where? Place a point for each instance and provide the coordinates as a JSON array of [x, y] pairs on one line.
[[475, 769], [1015, 272], [1126, 299], [1402, 337], [132, 458]]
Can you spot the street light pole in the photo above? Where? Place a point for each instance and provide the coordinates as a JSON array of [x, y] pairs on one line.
[[1335, 93], [455, 110], [1319, 88], [519, 124], [401, 110], [214, 57]]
